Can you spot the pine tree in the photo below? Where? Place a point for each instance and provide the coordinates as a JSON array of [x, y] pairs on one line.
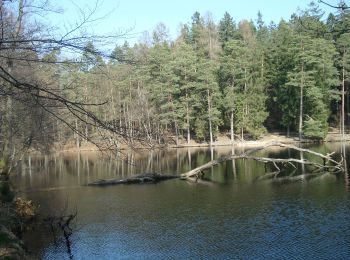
[[283, 97], [227, 29], [163, 91], [184, 78]]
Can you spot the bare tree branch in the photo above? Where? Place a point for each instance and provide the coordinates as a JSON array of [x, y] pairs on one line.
[[334, 167], [342, 6]]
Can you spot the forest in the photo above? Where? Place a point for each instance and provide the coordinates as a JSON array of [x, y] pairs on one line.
[[235, 78]]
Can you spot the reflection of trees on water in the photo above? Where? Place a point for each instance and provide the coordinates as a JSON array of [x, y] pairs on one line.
[[233, 162], [343, 154], [72, 171], [80, 168]]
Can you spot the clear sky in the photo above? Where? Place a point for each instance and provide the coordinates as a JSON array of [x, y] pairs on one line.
[[144, 15]]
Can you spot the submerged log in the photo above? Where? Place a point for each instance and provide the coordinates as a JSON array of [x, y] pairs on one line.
[[137, 179]]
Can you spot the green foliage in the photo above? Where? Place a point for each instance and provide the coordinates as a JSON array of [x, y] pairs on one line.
[[212, 72], [315, 129], [227, 29], [212, 76]]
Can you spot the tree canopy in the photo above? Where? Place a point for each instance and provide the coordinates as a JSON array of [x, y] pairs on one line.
[[241, 78]]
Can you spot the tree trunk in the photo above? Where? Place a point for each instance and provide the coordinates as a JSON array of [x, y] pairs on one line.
[[301, 103], [343, 104], [188, 123], [177, 134], [18, 26], [209, 117], [8, 140], [347, 97], [232, 130], [232, 111], [86, 117], [77, 135]]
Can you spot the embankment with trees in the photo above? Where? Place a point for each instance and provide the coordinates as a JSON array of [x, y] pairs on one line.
[[240, 78]]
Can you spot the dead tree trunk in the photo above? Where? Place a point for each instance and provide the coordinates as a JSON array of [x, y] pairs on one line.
[[328, 164]]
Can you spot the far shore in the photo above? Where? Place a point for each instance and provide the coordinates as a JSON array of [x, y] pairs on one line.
[[221, 141]]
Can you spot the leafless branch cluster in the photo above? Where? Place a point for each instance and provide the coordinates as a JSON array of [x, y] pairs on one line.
[[25, 42], [328, 165]]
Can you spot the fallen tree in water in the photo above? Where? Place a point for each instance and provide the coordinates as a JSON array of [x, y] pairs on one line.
[[137, 179], [328, 165]]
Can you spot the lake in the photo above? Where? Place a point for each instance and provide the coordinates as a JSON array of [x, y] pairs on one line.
[[236, 213]]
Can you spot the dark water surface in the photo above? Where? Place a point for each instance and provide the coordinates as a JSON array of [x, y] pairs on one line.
[[238, 215]]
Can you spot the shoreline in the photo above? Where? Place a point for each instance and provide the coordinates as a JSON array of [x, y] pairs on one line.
[[222, 141]]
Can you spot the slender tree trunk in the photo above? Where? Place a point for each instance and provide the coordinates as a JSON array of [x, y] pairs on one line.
[[86, 117], [120, 113], [77, 135], [188, 121], [245, 107], [177, 134], [301, 103], [347, 97], [18, 26], [86, 132], [175, 123], [262, 68], [58, 131], [232, 130], [8, 142], [126, 124], [209, 117], [343, 104], [189, 155], [130, 115], [232, 110]]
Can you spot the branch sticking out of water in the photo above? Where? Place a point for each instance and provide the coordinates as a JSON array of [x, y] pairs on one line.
[[329, 164]]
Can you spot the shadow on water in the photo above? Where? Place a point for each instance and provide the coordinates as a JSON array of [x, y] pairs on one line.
[[245, 204]]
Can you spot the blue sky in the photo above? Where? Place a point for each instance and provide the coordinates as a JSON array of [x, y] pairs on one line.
[[144, 15]]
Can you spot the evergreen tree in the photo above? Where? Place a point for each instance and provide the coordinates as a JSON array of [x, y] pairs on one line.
[[230, 70], [208, 119], [227, 29], [185, 78], [283, 97], [163, 91], [315, 76]]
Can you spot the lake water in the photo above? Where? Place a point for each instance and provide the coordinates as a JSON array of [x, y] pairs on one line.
[[238, 214]]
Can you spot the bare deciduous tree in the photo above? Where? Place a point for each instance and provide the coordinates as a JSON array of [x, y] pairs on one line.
[[30, 106]]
